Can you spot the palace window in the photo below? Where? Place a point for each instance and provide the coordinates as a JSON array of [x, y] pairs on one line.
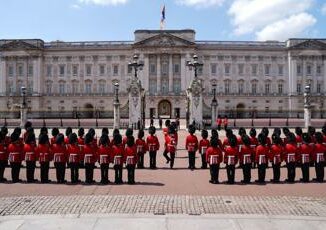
[[267, 70], [299, 72], [30, 70], [309, 69], [49, 70], [280, 70], [227, 87], [61, 70], [152, 86], [102, 70], [102, 88], [318, 88], [280, 88], [20, 70], [254, 88], [177, 86], [318, 70], [49, 88], [299, 88], [115, 70], [88, 70], [254, 70], [240, 67], [11, 71], [88, 88], [62, 88], [75, 70], [165, 68], [176, 68], [75, 88], [152, 68], [227, 69], [213, 69], [241, 87], [267, 88]]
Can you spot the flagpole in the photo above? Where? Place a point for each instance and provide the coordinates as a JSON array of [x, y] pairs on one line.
[[162, 24]]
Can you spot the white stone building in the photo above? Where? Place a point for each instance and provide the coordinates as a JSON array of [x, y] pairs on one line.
[[252, 78]]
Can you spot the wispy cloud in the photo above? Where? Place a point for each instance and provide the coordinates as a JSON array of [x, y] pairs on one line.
[[276, 20], [103, 2], [200, 3], [323, 9], [75, 6]]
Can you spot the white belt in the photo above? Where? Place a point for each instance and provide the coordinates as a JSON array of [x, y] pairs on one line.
[[291, 157], [117, 160], [320, 157], [139, 148], [305, 158], [44, 157], [240, 146], [152, 147], [203, 150], [191, 148], [262, 159], [73, 158], [277, 159], [12, 156], [104, 159], [231, 160], [88, 158], [213, 160], [247, 159], [130, 160], [58, 157], [28, 156]]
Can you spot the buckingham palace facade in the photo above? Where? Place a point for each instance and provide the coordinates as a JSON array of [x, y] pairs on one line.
[[253, 79]]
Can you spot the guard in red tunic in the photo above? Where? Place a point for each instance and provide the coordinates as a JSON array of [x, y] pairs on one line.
[[290, 157], [226, 141], [81, 133], [141, 149], [245, 156], [241, 132], [28, 129], [254, 144], [298, 137], [90, 154], [15, 150], [45, 156], [73, 154], [324, 134], [129, 132], [55, 132], [30, 157], [311, 132], [214, 157], [104, 153], [130, 159], [265, 131], [3, 156], [319, 156], [191, 146], [171, 143], [118, 153], [231, 158], [153, 146], [262, 152], [203, 146], [4, 131], [305, 156], [219, 122], [275, 157], [166, 132], [60, 158]]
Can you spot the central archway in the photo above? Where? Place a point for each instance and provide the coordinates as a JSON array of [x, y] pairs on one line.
[[164, 109], [88, 111], [240, 110]]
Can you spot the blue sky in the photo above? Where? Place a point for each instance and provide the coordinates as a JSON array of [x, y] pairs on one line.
[[106, 20]]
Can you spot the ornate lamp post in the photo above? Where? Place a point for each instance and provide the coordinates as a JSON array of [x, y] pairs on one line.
[[214, 105], [23, 107], [307, 112], [135, 65], [194, 64], [116, 109]]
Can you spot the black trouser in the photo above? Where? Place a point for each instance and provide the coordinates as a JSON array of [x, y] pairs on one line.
[[89, 172], [276, 172], [230, 170], [140, 163], [104, 173], [15, 170], [291, 171], [203, 161], [74, 172], [172, 157], [246, 169], [191, 159], [165, 154], [305, 171], [214, 170], [118, 174], [261, 172], [60, 168], [3, 164], [45, 171], [152, 159], [131, 174], [30, 170], [319, 167]]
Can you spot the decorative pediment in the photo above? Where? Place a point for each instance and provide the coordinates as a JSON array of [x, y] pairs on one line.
[[164, 40], [18, 45], [310, 44]]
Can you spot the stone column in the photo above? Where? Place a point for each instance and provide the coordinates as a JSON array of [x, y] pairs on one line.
[[2, 76], [146, 71], [158, 83], [307, 109], [183, 69], [195, 94], [292, 81], [170, 73], [116, 115], [37, 76], [135, 102], [214, 113]]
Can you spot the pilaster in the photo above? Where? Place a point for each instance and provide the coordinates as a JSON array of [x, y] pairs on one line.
[[170, 73], [2, 76], [158, 73]]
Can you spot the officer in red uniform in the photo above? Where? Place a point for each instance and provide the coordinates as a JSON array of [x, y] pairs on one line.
[[60, 158], [226, 141], [81, 133], [298, 137], [118, 153], [171, 143], [275, 156], [265, 131], [3, 156], [214, 134], [90, 154], [30, 157], [214, 157], [166, 132], [261, 155], [305, 156], [245, 156], [219, 122], [45, 156], [203, 146], [92, 133], [4, 131], [130, 159], [153, 146], [311, 132], [104, 153], [55, 132], [28, 129], [141, 148], [319, 157], [191, 146], [231, 158], [73, 154], [15, 150], [290, 157], [129, 132], [254, 144], [241, 132]]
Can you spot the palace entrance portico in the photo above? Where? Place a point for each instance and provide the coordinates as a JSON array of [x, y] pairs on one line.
[[164, 109]]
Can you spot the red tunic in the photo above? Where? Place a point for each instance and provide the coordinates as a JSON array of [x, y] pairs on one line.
[[141, 146], [290, 153], [319, 153], [239, 140], [171, 143], [231, 155], [203, 146], [165, 131], [52, 140], [3, 152], [117, 154], [59, 153], [298, 139], [324, 139], [90, 154], [81, 141], [276, 153], [152, 143], [245, 154], [191, 143], [7, 141], [261, 154], [15, 151], [74, 153], [226, 143], [225, 121], [214, 155], [253, 141], [104, 154], [44, 153], [219, 121], [130, 156], [29, 152], [67, 140], [305, 153]]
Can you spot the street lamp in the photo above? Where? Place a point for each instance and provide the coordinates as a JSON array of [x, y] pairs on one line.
[[23, 114], [307, 112], [116, 107], [195, 64], [116, 92], [214, 105], [135, 65]]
